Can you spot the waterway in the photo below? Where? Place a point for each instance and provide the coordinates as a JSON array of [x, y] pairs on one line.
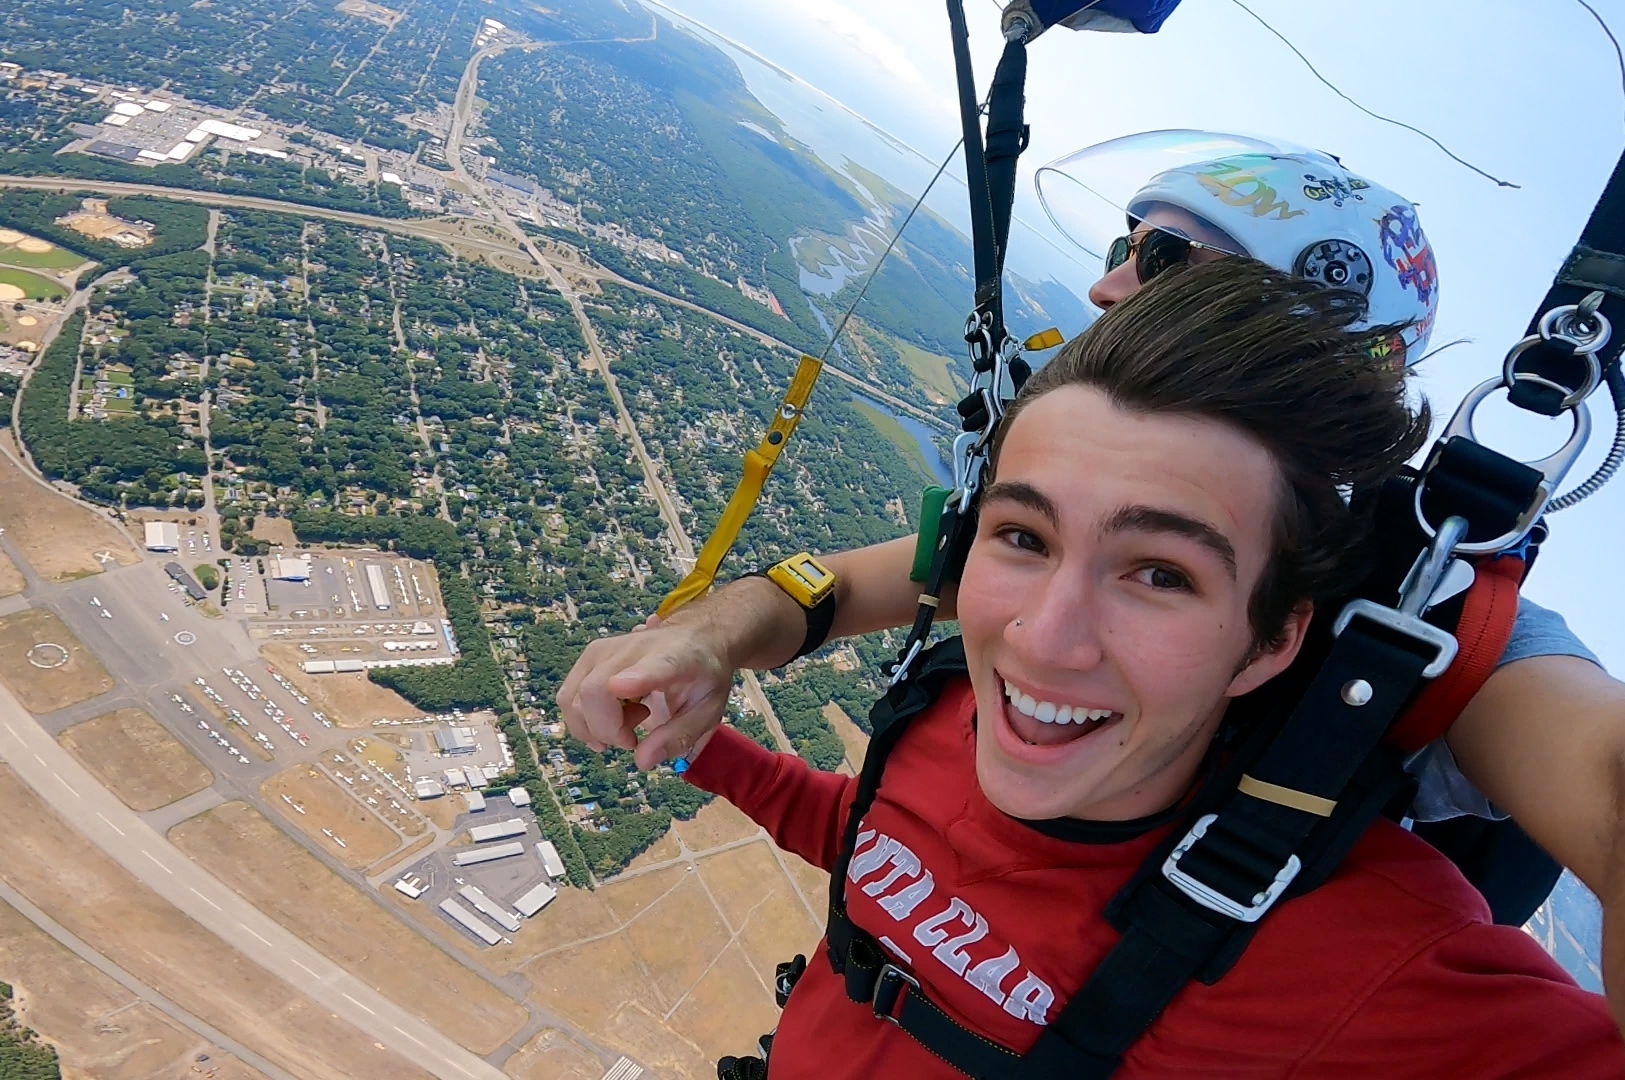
[[924, 437]]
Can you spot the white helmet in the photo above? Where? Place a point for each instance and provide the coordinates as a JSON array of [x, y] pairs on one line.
[[1298, 210]]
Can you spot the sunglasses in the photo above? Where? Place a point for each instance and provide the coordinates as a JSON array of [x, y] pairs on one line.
[[1154, 251]]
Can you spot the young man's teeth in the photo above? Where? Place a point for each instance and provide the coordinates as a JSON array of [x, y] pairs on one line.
[[1047, 712]]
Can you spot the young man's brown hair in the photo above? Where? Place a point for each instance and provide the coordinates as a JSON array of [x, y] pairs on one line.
[[1277, 357]]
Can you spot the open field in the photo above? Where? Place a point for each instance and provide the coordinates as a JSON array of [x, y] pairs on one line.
[[936, 375], [96, 899], [348, 700], [29, 285], [276, 875], [45, 664], [98, 1027], [275, 530], [553, 1055], [688, 976], [140, 762], [58, 537], [11, 578], [30, 251], [717, 823], [366, 839], [852, 737]]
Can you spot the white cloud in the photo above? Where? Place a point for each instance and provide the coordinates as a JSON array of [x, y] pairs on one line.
[[862, 35]]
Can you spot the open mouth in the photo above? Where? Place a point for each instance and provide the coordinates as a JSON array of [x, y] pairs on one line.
[[1041, 723]]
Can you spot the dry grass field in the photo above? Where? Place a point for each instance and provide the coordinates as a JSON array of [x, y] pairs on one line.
[[112, 912], [77, 677], [241, 847], [136, 759], [366, 839]]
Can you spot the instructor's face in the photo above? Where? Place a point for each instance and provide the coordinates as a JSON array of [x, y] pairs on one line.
[[1105, 609]]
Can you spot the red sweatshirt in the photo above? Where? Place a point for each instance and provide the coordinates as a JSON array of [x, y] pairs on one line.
[[1391, 969]]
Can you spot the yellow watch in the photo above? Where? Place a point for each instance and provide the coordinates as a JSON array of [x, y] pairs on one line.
[[804, 579]]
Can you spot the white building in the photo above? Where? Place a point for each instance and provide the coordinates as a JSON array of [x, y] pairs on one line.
[[375, 582], [550, 859], [519, 796], [289, 567], [163, 536], [475, 801]]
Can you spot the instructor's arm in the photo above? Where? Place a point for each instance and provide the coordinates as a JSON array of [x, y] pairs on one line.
[[1545, 740]]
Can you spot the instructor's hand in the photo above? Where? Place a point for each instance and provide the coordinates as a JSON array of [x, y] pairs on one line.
[[672, 680]]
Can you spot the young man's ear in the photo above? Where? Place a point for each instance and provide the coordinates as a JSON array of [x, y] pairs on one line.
[[1272, 658]]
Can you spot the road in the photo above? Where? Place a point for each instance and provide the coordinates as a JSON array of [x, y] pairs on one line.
[[123, 836], [681, 542], [141, 990]]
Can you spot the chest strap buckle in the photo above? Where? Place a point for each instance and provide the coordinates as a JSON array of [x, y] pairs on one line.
[[1211, 898], [889, 985]]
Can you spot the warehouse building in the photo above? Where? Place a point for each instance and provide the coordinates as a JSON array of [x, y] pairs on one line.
[[489, 908], [465, 918], [163, 536], [550, 859], [535, 900], [375, 582], [455, 740], [487, 854], [497, 830]]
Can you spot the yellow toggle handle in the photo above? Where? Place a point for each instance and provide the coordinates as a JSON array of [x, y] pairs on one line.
[[758, 464]]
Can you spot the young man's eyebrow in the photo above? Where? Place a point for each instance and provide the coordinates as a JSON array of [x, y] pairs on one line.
[[1154, 519], [1024, 495]]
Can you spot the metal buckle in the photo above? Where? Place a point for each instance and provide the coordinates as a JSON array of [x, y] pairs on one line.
[[1552, 468], [1211, 898], [890, 984], [1409, 625]]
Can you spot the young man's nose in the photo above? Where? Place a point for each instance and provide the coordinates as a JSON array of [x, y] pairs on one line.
[[1058, 629]]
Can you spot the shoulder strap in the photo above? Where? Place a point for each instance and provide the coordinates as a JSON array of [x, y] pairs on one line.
[[888, 720], [1482, 633]]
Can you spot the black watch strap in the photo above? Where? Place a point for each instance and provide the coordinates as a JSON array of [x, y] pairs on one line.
[[820, 620]]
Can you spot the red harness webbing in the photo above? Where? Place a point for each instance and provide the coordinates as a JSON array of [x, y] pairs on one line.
[[1487, 615]]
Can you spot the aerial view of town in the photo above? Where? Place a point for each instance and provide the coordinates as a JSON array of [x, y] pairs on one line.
[[359, 365], [353, 381]]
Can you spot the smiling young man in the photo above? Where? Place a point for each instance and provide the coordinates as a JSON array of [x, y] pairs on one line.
[[1163, 515]]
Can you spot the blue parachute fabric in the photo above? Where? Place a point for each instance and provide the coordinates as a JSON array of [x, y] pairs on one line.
[[1147, 16]]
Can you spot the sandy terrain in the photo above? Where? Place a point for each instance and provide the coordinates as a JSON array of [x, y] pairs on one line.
[[274, 529], [687, 978], [553, 1055], [366, 839], [41, 636], [716, 823], [136, 759], [11, 578], [276, 875], [10, 292], [99, 1028], [9, 236], [348, 700], [59, 538], [99, 901]]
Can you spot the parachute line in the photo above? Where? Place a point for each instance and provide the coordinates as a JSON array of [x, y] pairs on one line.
[[840, 327], [1378, 116], [1606, 29]]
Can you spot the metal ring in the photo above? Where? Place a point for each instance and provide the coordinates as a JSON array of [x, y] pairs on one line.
[[1510, 375], [1563, 323]]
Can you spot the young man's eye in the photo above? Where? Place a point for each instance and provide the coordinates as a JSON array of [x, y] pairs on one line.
[[1163, 577], [1021, 538]]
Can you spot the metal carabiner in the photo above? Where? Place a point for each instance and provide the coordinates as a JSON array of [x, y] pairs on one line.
[[1552, 468], [1584, 328]]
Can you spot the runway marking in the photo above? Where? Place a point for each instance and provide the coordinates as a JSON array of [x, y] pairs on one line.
[[65, 784], [305, 969], [41, 761], [110, 825], [154, 858], [357, 1004], [413, 1037], [206, 900], [245, 927]]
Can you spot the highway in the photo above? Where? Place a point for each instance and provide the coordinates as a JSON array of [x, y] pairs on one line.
[[124, 837]]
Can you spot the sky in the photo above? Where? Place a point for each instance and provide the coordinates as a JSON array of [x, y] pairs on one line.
[[1535, 101]]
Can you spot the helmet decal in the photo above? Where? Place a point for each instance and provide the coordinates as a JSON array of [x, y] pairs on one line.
[[1336, 188], [1408, 251], [1239, 182]]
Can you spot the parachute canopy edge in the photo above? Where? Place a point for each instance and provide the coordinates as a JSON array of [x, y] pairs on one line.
[[1112, 16]]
